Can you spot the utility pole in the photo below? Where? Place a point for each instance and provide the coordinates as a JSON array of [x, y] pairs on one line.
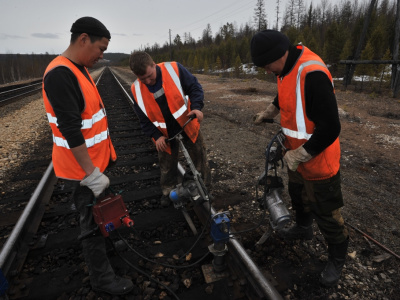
[[170, 45]]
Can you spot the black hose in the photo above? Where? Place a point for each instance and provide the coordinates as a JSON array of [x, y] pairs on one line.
[[162, 264], [143, 272]]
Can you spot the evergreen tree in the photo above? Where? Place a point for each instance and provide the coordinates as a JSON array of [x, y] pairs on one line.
[[177, 41], [261, 74], [365, 70], [206, 67], [260, 17], [190, 60], [227, 31], [385, 69], [218, 64], [333, 43], [207, 35], [238, 67], [378, 41]]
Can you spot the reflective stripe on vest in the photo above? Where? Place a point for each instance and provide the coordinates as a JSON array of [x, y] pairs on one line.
[[94, 127], [177, 83], [295, 124], [178, 103], [301, 133], [140, 102], [98, 138], [86, 124]]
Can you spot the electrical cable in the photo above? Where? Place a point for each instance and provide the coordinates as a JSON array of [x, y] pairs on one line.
[[162, 264], [201, 234], [194, 244], [373, 240], [143, 272]]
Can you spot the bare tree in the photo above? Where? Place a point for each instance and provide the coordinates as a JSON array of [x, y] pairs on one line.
[[290, 11], [300, 11]]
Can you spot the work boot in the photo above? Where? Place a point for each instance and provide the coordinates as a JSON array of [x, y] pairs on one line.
[[297, 232], [165, 201], [102, 276], [333, 269]]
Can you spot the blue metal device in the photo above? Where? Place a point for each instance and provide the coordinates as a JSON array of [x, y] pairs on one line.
[[220, 227]]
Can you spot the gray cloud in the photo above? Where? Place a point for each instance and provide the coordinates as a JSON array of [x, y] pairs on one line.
[[11, 37], [119, 34], [45, 35]]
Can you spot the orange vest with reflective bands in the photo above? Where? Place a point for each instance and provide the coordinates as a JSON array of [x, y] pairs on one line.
[[177, 102], [94, 128], [295, 124]]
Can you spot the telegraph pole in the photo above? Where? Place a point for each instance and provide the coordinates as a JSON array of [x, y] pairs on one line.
[[170, 45]]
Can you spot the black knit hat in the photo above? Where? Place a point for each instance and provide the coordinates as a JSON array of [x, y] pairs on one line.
[[91, 26], [268, 46]]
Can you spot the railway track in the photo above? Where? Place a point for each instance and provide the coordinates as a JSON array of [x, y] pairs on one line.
[[162, 253], [14, 92]]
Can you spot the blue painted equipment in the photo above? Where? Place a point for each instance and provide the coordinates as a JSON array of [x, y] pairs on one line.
[[220, 227]]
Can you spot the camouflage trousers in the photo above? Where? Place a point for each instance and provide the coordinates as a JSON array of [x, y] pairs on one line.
[[320, 200], [169, 163]]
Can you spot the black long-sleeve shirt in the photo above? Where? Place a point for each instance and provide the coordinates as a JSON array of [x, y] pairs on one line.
[[321, 106], [190, 86], [65, 96]]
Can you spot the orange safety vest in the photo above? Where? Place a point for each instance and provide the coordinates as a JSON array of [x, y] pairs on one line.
[[94, 128], [178, 104], [295, 124]]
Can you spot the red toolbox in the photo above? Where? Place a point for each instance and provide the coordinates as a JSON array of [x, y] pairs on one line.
[[110, 213]]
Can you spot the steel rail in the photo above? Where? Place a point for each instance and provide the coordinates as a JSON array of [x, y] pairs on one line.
[[15, 246], [30, 217], [19, 95], [263, 287], [10, 250], [20, 88]]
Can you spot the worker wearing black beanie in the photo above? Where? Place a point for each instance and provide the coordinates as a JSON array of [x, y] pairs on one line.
[[71, 99], [310, 122], [91, 26], [268, 46]]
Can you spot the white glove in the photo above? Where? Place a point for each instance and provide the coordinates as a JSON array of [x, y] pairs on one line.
[[96, 181], [294, 157], [271, 112]]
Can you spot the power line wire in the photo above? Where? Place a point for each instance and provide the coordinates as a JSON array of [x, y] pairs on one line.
[[222, 9], [223, 17], [235, 12]]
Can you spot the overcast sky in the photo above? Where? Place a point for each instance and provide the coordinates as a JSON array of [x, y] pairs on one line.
[[40, 26]]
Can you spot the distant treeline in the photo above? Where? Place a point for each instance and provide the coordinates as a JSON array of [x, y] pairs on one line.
[[16, 67], [332, 31]]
